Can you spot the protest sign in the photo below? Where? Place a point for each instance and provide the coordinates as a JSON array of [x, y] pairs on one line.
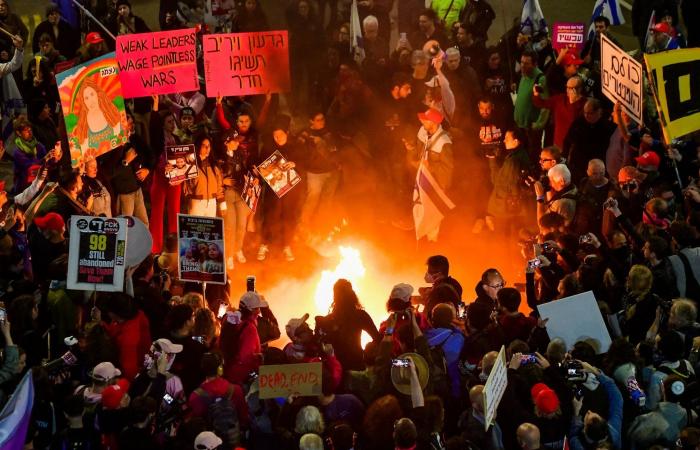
[[495, 387], [93, 108], [182, 161], [676, 76], [588, 325], [283, 380], [246, 63], [201, 249], [251, 191], [621, 78], [568, 35], [96, 257], [162, 62], [278, 175]]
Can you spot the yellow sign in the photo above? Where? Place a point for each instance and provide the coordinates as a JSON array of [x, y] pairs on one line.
[[283, 380], [676, 76]]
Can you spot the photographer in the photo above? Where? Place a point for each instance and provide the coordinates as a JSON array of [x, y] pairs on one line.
[[444, 289], [592, 430], [239, 342], [562, 195]]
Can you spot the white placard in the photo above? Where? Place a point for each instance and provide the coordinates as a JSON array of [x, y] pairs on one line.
[[574, 319], [97, 253], [621, 78], [495, 387]]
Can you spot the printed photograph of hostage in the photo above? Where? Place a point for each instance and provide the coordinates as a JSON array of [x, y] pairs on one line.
[[182, 163], [279, 174]]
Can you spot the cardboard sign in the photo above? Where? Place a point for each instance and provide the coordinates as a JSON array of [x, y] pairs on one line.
[[201, 249], [96, 257], [251, 191], [183, 162], [568, 35], [283, 380], [163, 62], [278, 175], [588, 325], [246, 63], [621, 78], [676, 76], [495, 387], [93, 108]]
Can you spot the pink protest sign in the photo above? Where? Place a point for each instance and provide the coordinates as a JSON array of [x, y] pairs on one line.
[[568, 35], [246, 63], [163, 62]]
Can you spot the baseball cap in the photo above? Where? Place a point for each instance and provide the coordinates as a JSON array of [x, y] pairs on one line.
[[105, 371], [572, 58], [432, 115], [661, 27], [402, 291], [294, 324], [112, 395], [93, 37], [167, 346], [628, 173], [544, 398], [648, 159], [51, 221], [206, 440], [252, 300]]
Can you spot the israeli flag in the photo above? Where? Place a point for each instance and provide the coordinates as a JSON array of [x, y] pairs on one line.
[[606, 8], [15, 415], [532, 20], [356, 46]]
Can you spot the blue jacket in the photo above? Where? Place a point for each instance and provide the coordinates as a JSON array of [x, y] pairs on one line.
[[451, 340], [615, 403]]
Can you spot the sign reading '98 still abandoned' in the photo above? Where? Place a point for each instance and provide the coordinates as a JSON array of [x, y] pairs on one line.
[[621, 78], [246, 63]]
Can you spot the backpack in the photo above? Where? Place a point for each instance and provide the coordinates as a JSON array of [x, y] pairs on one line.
[[585, 213], [439, 378], [222, 417]]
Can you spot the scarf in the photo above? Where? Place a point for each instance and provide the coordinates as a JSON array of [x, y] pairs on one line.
[[27, 147]]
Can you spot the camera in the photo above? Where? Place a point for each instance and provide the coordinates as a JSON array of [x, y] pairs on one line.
[[400, 362], [199, 339], [167, 398], [573, 370], [528, 359], [548, 248], [534, 263]]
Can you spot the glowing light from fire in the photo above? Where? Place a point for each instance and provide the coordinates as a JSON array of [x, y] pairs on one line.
[[350, 267]]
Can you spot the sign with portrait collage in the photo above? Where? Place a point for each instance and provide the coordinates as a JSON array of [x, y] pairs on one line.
[[201, 249]]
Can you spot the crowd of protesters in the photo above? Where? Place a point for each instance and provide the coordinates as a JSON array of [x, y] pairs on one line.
[[519, 136]]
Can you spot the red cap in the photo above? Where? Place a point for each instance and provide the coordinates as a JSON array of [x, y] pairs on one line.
[[51, 221], [544, 398], [432, 115], [112, 395], [648, 159], [661, 27], [93, 38], [571, 58]]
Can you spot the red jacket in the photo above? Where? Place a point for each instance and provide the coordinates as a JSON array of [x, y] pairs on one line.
[[248, 356], [563, 112], [218, 388], [133, 339]]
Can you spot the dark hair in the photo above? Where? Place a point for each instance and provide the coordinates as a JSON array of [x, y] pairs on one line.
[[684, 234], [479, 315], [69, 179], [486, 99], [597, 429], [552, 220], [658, 246], [530, 54], [488, 273], [435, 413], [583, 351], [603, 19], [439, 263], [178, 316], [19, 313], [74, 405], [405, 433], [341, 436], [210, 364], [517, 134], [141, 407], [143, 268], [121, 305], [399, 79], [509, 298], [344, 298], [430, 14], [671, 346]]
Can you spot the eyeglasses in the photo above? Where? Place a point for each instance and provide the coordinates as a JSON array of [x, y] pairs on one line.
[[630, 186], [497, 286], [571, 88], [544, 160]]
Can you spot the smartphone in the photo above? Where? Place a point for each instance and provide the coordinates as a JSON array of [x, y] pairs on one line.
[[223, 307], [534, 263], [461, 312], [528, 359], [400, 362], [167, 398], [250, 283], [3, 315], [584, 239], [547, 248]]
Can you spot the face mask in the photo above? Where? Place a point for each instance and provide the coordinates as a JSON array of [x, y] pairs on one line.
[[429, 278]]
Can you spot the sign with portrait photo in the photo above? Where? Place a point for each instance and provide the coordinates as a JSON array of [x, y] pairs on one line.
[[278, 174], [182, 162], [93, 108], [251, 191], [201, 249], [96, 256]]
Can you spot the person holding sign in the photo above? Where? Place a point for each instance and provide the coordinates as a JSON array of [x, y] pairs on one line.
[[204, 192]]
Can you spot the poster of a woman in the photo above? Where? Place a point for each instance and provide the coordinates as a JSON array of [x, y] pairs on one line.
[[91, 93]]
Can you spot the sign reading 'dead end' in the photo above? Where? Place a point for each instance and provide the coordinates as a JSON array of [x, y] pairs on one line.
[[283, 380], [246, 63]]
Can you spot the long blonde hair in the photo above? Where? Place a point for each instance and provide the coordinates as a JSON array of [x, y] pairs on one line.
[[110, 111]]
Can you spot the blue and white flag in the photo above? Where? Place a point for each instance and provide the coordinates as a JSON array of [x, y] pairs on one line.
[[15, 416], [356, 45], [606, 8], [532, 20], [430, 204], [68, 12]]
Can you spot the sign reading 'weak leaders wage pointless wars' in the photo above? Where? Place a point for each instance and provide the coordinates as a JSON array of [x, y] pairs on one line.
[[246, 63], [163, 62], [284, 380]]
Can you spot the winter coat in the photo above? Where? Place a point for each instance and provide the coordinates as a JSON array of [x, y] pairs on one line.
[[133, 340]]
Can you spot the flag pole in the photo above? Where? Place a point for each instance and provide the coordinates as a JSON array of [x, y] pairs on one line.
[[94, 19]]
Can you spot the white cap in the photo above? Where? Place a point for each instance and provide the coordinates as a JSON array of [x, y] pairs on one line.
[[105, 371], [252, 300], [206, 440], [167, 346], [402, 291]]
